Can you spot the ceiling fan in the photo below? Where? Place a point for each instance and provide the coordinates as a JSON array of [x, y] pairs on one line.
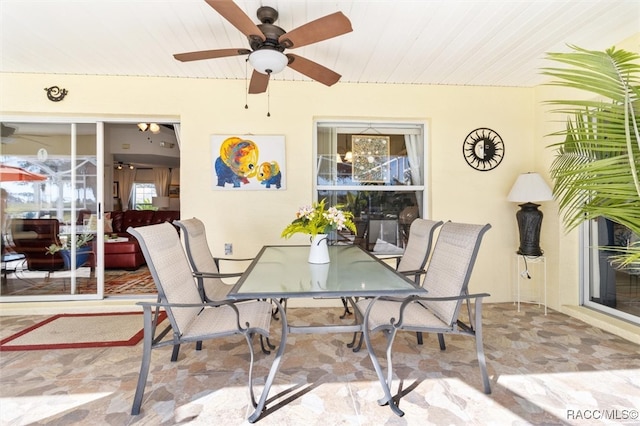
[[268, 42], [10, 136]]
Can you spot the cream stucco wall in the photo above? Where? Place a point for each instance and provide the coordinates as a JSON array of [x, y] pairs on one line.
[[252, 219]]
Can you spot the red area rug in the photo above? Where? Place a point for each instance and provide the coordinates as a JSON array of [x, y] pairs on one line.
[[74, 331]]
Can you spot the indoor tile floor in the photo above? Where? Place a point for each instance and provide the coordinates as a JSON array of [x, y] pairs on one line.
[[544, 370]]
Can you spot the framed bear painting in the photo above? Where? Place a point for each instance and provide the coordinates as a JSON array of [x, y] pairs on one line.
[[248, 162]]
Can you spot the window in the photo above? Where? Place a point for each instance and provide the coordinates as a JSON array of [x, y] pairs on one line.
[[608, 285], [376, 171], [143, 194]]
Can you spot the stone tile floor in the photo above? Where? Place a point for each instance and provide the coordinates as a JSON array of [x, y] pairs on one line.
[[544, 370]]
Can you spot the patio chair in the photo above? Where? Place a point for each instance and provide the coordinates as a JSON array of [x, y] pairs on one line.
[[206, 268], [191, 319], [204, 265], [413, 260], [446, 279]]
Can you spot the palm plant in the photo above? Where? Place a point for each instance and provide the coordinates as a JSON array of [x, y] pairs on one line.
[[595, 170]]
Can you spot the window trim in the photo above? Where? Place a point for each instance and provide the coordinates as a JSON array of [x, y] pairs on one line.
[[377, 126]]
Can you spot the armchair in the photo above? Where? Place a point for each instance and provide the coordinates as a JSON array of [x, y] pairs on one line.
[[31, 237], [206, 268], [447, 279], [413, 260], [191, 319]]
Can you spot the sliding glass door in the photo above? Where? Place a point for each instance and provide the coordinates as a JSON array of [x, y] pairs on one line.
[[52, 189], [608, 285]]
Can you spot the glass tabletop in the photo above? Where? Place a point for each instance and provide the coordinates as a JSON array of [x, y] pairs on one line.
[[284, 272]]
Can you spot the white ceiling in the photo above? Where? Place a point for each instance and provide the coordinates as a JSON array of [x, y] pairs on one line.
[[451, 42]]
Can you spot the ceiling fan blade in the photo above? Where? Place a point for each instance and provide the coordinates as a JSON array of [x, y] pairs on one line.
[[258, 83], [210, 54], [313, 70], [236, 16], [321, 29]]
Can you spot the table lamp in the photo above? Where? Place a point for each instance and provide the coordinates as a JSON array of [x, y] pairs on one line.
[[529, 188], [162, 203]]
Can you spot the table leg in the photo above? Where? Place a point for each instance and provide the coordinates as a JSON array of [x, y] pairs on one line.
[[385, 383], [260, 406]]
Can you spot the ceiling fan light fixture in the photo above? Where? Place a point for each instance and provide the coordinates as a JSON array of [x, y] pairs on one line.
[[268, 61]]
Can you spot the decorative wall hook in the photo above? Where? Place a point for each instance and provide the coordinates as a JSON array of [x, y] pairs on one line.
[[55, 94]]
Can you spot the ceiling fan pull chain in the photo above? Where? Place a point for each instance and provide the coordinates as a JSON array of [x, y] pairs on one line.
[[246, 85], [269, 101]]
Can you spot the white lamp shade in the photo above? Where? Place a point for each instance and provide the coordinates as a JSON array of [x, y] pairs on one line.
[[268, 61], [530, 187], [162, 203]]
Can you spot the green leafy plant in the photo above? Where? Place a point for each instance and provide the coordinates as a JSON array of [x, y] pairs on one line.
[[595, 170], [81, 241], [317, 219], [146, 205]]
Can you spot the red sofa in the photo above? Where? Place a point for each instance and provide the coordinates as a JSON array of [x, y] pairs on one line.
[[127, 254]]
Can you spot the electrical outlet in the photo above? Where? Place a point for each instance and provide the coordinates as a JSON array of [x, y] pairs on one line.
[[228, 249]]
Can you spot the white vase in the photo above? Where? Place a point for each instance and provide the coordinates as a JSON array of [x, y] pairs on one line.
[[319, 273], [319, 252]]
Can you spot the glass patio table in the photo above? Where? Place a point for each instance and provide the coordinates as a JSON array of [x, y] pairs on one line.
[[283, 272]]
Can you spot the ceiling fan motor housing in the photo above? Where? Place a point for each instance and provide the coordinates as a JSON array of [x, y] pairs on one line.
[[272, 33]]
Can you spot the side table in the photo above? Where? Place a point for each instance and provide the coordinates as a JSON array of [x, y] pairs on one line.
[[527, 270]]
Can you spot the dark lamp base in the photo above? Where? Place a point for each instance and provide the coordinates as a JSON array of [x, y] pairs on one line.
[[529, 224]]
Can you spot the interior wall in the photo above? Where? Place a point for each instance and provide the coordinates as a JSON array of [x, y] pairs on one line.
[[252, 219]]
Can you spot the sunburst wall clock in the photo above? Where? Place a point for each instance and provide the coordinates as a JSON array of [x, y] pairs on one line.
[[483, 149]]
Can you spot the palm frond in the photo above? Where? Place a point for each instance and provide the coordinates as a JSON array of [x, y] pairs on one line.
[[595, 169]]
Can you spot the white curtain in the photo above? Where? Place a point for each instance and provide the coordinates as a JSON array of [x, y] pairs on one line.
[[414, 152], [327, 150], [176, 129], [161, 179], [125, 177]]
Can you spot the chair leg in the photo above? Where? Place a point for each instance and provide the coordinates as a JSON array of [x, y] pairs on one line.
[[274, 313], [482, 362], [146, 360], [174, 354], [356, 348], [347, 312], [199, 345], [419, 337], [268, 345], [441, 341]]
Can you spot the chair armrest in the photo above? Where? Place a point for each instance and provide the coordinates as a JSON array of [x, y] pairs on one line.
[[415, 273], [148, 305], [477, 296], [446, 298], [384, 257], [217, 275], [229, 259]]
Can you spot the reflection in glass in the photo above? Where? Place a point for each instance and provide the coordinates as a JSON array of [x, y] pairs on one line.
[[35, 213]]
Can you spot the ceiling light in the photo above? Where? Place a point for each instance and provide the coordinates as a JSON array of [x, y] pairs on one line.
[[268, 61], [119, 166], [131, 166], [152, 127]]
